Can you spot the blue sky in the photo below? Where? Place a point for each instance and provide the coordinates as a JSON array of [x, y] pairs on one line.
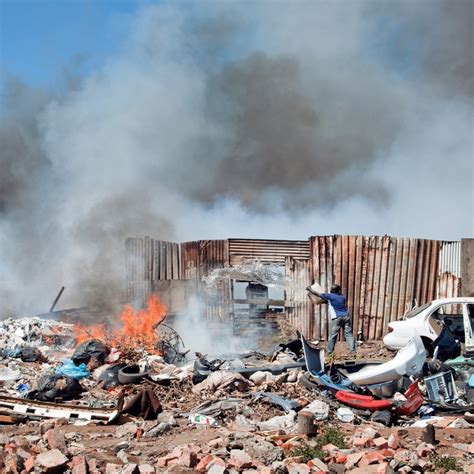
[[39, 38]]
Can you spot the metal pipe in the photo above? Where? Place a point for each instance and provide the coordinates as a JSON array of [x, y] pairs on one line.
[[57, 299]]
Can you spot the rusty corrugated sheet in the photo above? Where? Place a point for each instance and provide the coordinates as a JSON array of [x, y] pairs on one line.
[[449, 270], [190, 260], [298, 273], [148, 260], [450, 257], [214, 254], [268, 251], [380, 277]]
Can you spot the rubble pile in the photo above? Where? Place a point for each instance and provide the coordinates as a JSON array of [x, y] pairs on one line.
[[90, 408]]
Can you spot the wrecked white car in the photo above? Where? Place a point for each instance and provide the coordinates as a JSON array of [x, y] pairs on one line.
[[429, 321]]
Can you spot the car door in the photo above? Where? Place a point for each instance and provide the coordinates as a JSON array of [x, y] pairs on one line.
[[450, 315], [468, 319]]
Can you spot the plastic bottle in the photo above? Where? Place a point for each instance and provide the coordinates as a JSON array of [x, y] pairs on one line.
[[198, 419]]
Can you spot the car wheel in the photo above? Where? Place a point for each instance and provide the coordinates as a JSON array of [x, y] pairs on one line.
[[131, 374]]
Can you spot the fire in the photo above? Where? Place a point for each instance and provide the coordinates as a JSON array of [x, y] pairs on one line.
[[137, 328]]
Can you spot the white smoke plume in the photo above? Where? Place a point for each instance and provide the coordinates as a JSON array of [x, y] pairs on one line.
[[230, 119]]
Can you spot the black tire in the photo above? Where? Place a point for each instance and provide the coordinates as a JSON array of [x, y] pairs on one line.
[[131, 375]]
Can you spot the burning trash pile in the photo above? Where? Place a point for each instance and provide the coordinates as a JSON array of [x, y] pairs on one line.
[[131, 399]]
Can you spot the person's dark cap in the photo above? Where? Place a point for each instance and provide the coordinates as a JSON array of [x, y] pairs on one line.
[[335, 289]]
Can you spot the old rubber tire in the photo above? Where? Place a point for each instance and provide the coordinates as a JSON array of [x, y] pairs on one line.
[[131, 374]]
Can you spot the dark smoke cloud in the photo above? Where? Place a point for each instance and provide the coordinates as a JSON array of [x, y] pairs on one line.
[[293, 119], [435, 39]]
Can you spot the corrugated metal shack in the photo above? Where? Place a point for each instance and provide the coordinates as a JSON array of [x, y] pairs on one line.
[[381, 276]]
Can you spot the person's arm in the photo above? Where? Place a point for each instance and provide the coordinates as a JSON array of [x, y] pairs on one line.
[[316, 299], [314, 292]]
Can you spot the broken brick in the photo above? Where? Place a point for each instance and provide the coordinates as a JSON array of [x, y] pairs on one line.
[[202, 465], [380, 443], [353, 459], [50, 461], [393, 441], [79, 465], [297, 468], [361, 442], [188, 459], [240, 459], [146, 469], [373, 457], [424, 449], [56, 440]]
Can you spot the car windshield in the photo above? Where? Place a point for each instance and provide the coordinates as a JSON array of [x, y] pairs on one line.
[[417, 310]]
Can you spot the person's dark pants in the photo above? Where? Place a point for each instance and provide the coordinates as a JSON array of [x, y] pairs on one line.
[[336, 324]]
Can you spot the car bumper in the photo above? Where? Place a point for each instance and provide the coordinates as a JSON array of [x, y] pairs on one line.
[[393, 342]]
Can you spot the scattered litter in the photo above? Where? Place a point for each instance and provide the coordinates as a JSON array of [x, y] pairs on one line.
[[70, 369], [283, 402], [346, 415], [7, 374], [198, 419]]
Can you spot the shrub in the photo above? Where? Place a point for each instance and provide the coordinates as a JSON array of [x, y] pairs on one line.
[[448, 463]]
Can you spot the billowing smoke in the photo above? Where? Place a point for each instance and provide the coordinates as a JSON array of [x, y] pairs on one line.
[[283, 121]]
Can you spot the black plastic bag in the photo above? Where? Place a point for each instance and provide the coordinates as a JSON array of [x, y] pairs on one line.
[[31, 354], [109, 377], [51, 387], [93, 349]]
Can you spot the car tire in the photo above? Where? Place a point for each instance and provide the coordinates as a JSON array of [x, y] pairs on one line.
[[131, 375]]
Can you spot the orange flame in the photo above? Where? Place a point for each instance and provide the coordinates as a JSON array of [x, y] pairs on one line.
[[138, 328]]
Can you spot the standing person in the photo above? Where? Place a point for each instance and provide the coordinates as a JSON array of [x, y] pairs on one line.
[[339, 316]]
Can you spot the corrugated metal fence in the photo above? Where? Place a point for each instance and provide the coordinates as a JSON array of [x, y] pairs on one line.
[[380, 276]]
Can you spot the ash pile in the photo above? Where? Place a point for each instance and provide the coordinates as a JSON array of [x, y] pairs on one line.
[[95, 400]]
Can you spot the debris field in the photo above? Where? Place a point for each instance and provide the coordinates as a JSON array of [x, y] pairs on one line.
[[92, 400]]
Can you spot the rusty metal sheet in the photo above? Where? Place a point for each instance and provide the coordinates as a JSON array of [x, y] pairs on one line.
[[299, 313], [268, 251]]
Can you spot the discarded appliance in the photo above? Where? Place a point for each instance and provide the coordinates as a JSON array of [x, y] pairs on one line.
[[441, 387]]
